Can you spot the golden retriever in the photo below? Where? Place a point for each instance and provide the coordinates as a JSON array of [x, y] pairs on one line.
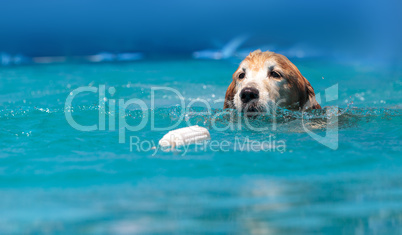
[[267, 80]]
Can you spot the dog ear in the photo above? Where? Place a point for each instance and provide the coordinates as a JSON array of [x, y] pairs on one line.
[[307, 98], [230, 92]]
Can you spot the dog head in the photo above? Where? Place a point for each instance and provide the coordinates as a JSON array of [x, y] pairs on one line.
[[265, 80]]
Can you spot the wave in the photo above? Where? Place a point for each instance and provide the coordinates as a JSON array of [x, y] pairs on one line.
[[219, 117]]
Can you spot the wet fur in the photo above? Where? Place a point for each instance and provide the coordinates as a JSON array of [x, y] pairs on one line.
[[292, 90]]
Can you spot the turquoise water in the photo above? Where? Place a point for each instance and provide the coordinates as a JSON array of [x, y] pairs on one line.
[[56, 179]]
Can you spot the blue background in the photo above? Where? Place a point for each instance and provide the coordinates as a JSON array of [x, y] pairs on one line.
[[54, 28]]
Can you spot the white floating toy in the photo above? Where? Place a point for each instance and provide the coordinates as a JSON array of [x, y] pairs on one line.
[[185, 136]]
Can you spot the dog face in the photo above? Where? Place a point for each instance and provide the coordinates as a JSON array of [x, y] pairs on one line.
[[265, 80]]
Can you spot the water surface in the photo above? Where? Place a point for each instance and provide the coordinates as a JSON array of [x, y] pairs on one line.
[[56, 179]]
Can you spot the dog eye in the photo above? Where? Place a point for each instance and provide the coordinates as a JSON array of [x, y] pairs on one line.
[[242, 75], [275, 74]]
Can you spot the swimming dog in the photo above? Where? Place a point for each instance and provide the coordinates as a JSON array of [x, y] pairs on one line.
[[265, 80]]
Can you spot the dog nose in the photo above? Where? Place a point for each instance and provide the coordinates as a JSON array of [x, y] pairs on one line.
[[248, 94]]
